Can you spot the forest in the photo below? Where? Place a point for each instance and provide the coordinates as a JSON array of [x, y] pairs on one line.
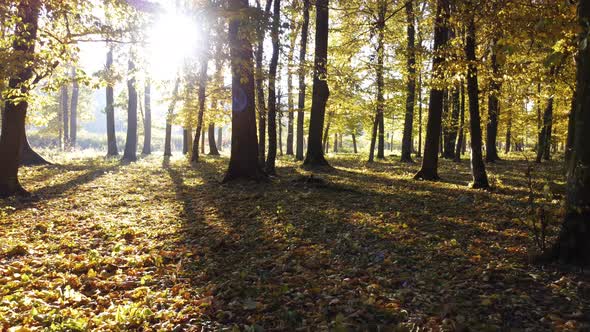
[[294, 165]]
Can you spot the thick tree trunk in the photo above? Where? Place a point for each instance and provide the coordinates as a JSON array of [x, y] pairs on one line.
[[321, 92], [147, 122], [130, 153], [243, 162], [493, 110], [301, 97], [260, 103], [573, 243], [74, 110], [545, 135], [272, 96], [15, 111], [429, 169], [407, 143], [478, 170], [354, 144], [186, 136], [29, 157], [112, 149], [212, 146]]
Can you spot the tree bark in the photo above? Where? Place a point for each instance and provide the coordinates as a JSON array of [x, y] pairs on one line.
[[112, 149], [202, 97], [301, 97], [220, 138], [290, 105], [130, 153], [65, 113], [380, 58], [212, 146], [571, 129], [429, 169], [493, 109], [147, 123], [451, 138], [410, 86], [272, 96], [321, 92], [461, 135], [186, 136], [508, 132], [573, 243], [74, 110], [478, 170], [354, 148], [243, 162], [261, 28], [336, 142], [169, 116], [15, 111], [545, 135], [373, 140]]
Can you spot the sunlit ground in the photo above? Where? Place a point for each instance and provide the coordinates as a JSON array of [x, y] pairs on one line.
[[159, 245]]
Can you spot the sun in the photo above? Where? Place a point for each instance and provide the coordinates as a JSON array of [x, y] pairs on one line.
[[173, 38]]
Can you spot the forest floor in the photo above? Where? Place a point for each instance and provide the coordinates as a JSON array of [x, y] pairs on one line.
[[156, 245]]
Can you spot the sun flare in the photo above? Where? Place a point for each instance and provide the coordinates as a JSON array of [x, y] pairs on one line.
[[173, 38]]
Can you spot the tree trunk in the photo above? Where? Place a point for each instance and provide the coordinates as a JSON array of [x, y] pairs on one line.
[[290, 104], [571, 128], [321, 92], [243, 162], [130, 153], [112, 149], [15, 111], [65, 113], [212, 146], [545, 135], [354, 148], [410, 87], [573, 243], [261, 28], [301, 99], [170, 115], [508, 132], [272, 97], [429, 169], [74, 110], [202, 96], [336, 142], [220, 138], [373, 140], [451, 139], [461, 135], [327, 132], [380, 83], [147, 123], [478, 170], [185, 138], [493, 110], [420, 115]]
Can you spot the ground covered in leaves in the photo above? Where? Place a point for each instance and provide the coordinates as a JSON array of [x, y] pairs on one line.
[[157, 245]]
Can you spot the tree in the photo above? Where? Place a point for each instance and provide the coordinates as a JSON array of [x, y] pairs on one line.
[[573, 243], [260, 105], [202, 97], [429, 169], [243, 162], [272, 96], [478, 168], [110, 109], [147, 122], [15, 107], [410, 86], [493, 108], [379, 127], [74, 110], [130, 153], [301, 99], [169, 119], [321, 92], [290, 55]]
